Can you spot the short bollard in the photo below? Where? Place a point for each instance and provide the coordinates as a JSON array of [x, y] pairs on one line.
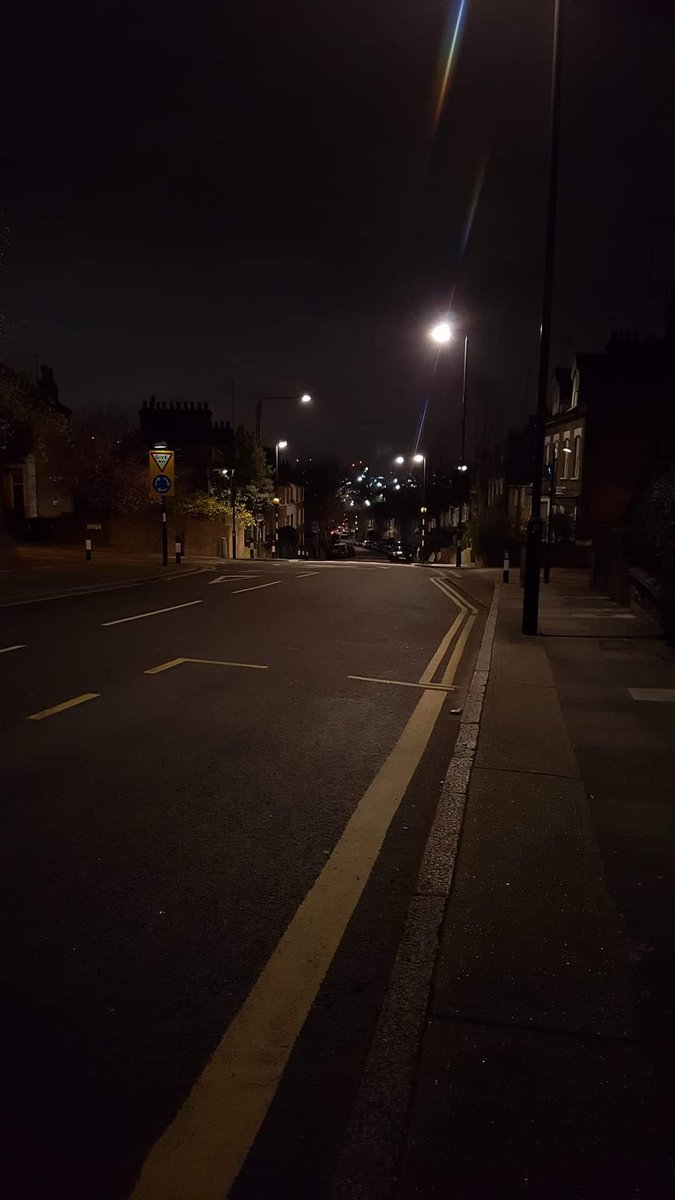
[[87, 549], [505, 571], [179, 550]]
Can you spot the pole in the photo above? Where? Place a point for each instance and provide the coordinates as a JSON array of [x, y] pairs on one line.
[[233, 502], [464, 374], [165, 536], [462, 464], [178, 549], [258, 419], [276, 499], [505, 568], [549, 531], [87, 549], [533, 550], [424, 507]]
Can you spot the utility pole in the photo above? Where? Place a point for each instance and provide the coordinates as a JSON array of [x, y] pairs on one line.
[[165, 536], [549, 532], [233, 502], [462, 463], [533, 544]]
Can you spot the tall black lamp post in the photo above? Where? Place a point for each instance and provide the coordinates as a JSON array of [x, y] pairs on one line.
[[533, 543]]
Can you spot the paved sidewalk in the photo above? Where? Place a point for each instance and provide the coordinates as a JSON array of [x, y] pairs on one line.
[[535, 1077], [50, 575]]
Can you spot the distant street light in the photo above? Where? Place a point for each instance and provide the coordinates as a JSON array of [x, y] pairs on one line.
[[279, 446], [419, 458], [305, 398]]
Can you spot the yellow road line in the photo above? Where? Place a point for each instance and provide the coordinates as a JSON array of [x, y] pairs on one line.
[[212, 662], [200, 1154], [57, 708], [173, 662], [451, 669], [400, 682], [217, 662], [450, 591], [437, 658]]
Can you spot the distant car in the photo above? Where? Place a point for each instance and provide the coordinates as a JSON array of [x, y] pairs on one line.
[[401, 553], [348, 543], [371, 544], [339, 550]]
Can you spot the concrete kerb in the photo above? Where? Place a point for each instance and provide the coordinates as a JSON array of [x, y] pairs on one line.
[[376, 1128]]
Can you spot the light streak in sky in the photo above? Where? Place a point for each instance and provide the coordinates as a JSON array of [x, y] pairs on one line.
[[478, 187], [449, 61]]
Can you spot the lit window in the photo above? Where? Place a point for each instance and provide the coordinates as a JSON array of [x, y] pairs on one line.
[[566, 457]]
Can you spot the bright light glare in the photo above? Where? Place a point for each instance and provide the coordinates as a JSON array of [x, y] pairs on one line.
[[463, 467], [397, 488], [359, 478], [418, 458], [305, 398], [566, 450], [442, 332], [367, 503], [282, 445], [399, 459]]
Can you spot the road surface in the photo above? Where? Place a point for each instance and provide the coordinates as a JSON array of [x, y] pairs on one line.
[[216, 792]]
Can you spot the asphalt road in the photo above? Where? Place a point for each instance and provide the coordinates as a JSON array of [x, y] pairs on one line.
[[207, 867]]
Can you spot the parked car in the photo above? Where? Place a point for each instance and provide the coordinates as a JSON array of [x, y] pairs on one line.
[[401, 553], [339, 550]]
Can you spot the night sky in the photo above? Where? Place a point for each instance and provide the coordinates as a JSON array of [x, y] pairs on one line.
[[270, 193]]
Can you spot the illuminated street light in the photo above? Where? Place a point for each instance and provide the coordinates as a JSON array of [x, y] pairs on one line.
[[279, 446], [441, 333], [305, 398], [418, 458]]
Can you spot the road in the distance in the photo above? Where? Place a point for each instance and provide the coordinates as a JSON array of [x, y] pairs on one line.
[[161, 834]]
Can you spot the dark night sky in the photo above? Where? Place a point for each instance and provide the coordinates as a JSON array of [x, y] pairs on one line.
[[195, 192]]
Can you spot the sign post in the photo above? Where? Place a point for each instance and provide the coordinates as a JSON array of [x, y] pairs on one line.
[[161, 483]]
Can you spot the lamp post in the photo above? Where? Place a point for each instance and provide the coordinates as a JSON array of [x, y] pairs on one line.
[[533, 545], [279, 446], [305, 398], [419, 458], [442, 333], [551, 501]]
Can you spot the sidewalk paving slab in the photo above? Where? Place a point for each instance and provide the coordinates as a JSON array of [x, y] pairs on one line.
[[534, 1079]]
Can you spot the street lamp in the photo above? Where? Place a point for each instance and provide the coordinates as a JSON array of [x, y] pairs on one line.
[[419, 458], [442, 333], [549, 540], [533, 547], [279, 446], [305, 398]]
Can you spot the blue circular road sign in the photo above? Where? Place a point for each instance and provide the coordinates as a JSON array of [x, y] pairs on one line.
[[161, 484]]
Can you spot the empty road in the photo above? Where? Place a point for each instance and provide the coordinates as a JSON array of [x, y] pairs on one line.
[[216, 794]]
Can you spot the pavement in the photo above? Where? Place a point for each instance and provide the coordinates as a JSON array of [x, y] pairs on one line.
[[326, 882], [545, 1057]]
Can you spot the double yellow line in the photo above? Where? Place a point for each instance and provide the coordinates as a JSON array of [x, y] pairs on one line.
[[201, 1152], [467, 614]]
